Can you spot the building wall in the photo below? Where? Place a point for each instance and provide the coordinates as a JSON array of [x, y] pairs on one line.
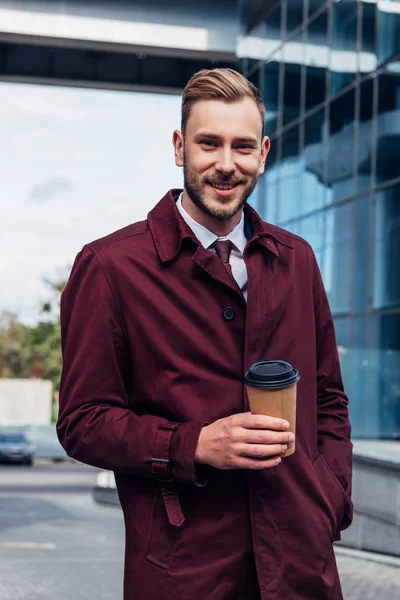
[[330, 75], [25, 401]]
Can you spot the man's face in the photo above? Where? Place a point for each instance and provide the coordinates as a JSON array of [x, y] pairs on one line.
[[223, 155]]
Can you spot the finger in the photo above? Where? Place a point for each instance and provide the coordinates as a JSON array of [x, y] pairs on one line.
[[258, 436], [261, 451], [257, 465], [250, 421]]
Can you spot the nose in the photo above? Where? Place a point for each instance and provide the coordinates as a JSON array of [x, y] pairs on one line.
[[225, 163]]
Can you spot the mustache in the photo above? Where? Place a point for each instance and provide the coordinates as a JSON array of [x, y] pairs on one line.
[[221, 180]]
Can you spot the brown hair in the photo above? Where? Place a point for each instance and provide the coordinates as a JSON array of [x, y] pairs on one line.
[[225, 85]]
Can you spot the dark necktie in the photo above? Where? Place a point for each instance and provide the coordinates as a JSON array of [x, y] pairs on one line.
[[223, 250]]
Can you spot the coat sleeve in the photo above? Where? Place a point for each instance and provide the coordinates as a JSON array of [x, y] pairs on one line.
[[96, 423], [333, 420]]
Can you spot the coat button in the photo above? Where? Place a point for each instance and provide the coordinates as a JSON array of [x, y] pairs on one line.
[[228, 313]]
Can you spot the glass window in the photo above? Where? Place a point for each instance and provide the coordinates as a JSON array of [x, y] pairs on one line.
[[387, 248], [361, 254], [313, 190], [289, 175], [294, 15], [272, 74], [368, 57], [388, 28], [341, 146], [292, 54], [338, 257], [274, 33], [342, 329], [365, 136], [358, 389], [388, 124], [312, 229], [344, 58], [384, 380], [316, 58]]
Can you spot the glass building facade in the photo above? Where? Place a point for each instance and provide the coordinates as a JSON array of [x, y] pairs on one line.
[[330, 76]]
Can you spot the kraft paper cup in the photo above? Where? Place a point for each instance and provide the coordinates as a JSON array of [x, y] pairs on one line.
[[271, 388]]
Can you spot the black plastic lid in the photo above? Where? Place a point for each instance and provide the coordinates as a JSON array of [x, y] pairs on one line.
[[271, 375]]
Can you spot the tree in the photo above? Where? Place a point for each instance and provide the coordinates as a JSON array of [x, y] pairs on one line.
[[34, 351]]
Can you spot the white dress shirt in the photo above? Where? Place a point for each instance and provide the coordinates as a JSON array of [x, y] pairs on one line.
[[236, 236]]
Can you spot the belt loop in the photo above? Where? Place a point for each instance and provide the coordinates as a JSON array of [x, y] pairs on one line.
[[161, 469]]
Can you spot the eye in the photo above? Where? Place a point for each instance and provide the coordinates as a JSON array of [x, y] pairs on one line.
[[208, 143]]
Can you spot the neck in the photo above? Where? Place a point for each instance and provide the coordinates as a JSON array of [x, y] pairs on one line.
[[219, 228]]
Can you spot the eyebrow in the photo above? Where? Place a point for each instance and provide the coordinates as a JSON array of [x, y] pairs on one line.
[[213, 136]]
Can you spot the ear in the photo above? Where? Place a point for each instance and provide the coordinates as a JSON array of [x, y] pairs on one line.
[[177, 140], [265, 147]]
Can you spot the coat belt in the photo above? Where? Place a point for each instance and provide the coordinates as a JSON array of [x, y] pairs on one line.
[[161, 470]]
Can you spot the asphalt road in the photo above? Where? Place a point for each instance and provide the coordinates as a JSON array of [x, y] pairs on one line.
[[56, 543]]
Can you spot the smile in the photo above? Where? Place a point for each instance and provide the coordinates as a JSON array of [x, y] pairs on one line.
[[220, 186]]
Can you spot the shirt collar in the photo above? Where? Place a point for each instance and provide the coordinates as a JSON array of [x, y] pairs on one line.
[[170, 231], [207, 237]]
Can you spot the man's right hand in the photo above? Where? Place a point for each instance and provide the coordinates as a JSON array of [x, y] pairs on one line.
[[243, 441]]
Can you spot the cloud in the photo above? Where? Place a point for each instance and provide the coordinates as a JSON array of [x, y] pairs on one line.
[[91, 162], [44, 191]]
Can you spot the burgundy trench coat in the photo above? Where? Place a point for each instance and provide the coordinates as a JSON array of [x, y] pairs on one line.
[[151, 354]]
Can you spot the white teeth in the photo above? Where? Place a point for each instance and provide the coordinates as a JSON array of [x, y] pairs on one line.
[[223, 187]]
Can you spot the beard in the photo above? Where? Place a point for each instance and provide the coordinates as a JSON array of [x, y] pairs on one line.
[[221, 209]]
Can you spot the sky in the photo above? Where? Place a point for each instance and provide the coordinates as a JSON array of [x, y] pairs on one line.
[[75, 164]]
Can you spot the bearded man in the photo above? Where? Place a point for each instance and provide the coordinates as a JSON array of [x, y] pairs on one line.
[[160, 320]]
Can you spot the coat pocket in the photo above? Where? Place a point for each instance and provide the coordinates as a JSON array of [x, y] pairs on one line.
[[162, 535], [331, 491]]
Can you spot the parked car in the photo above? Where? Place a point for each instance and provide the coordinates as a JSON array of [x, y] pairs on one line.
[[16, 448]]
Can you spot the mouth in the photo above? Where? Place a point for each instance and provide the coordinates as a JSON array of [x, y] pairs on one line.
[[224, 189]]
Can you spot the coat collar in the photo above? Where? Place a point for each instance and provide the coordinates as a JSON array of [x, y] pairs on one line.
[[170, 231]]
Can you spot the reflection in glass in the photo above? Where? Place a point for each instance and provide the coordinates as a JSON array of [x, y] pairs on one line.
[[312, 229], [361, 256], [316, 58], [313, 190], [357, 360], [341, 146], [293, 58], [365, 133], [388, 28], [288, 177], [387, 248], [272, 74], [338, 257], [344, 58], [368, 56], [294, 15], [343, 343], [384, 380], [388, 125]]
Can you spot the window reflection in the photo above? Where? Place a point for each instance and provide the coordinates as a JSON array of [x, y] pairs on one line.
[[357, 360], [362, 260], [293, 58], [294, 15], [387, 248], [388, 28], [368, 59], [344, 57], [313, 190], [388, 124], [341, 146], [384, 366], [272, 74], [365, 136], [316, 58], [289, 176], [338, 257]]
